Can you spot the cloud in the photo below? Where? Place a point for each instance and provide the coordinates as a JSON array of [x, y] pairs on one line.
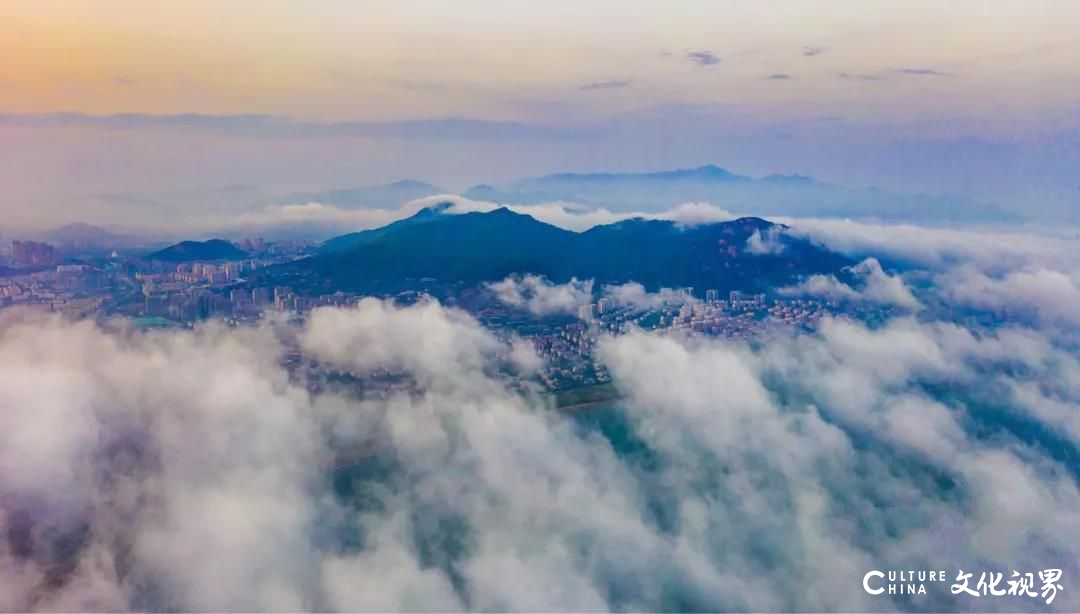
[[278, 126], [188, 470], [885, 74], [703, 58], [693, 214], [853, 380], [324, 220], [994, 250], [926, 72], [871, 284], [768, 243], [313, 218], [539, 296], [119, 456], [1020, 273], [241, 523], [1049, 296], [604, 85], [634, 295], [810, 51], [578, 218], [779, 77], [421, 340], [859, 76]]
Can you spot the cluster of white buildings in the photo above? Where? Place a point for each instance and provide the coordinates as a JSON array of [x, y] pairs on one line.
[[74, 290]]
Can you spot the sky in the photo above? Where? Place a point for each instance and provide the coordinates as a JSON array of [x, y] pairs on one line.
[[977, 98]]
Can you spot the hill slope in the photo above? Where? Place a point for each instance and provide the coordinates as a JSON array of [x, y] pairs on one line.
[[354, 239], [194, 251]]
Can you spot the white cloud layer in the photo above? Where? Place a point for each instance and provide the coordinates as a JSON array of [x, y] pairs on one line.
[[874, 285], [767, 243], [187, 470], [191, 470], [1051, 296], [325, 219], [633, 294], [539, 296], [991, 249]]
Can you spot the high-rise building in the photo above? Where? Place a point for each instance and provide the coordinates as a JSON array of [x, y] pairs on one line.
[[586, 312], [260, 296], [32, 253], [283, 300], [601, 306], [205, 305], [232, 271], [712, 295], [155, 305]]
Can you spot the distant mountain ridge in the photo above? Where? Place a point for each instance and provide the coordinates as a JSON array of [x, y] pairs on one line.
[[709, 172], [80, 235], [390, 195], [784, 195], [470, 248], [790, 195], [196, 251]]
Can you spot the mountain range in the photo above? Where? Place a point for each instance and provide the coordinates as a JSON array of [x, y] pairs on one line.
[[773, 195], [80, 235], [435, 248], [238, 211]]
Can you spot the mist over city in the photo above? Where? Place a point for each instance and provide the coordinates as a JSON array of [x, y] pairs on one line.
[[486, 306]]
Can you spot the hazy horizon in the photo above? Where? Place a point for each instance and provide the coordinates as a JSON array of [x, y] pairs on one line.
[[973, 99]]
